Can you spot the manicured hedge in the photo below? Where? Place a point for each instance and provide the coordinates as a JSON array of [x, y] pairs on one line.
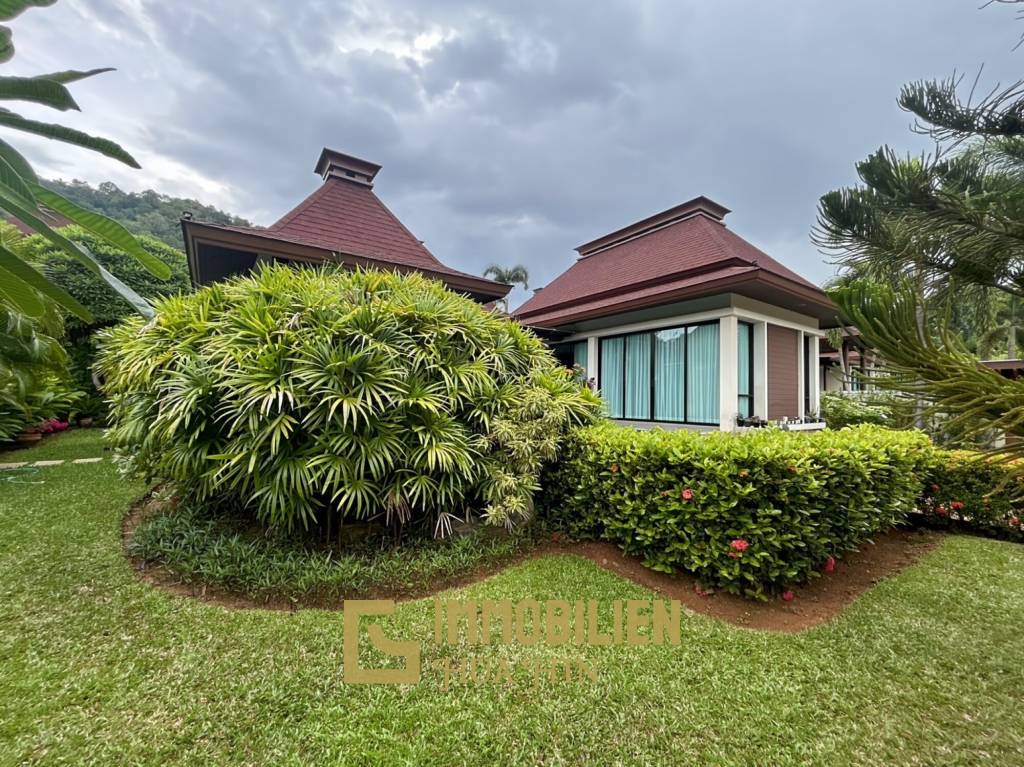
[[751, 514], [966, 490]]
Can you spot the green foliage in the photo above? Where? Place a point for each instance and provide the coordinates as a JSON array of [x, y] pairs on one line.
[[199, 548], [965, 488], [867, 407], [105, 307], [936, 242], [751, 514], [34, 383], [22, 197], [145, 212], [308, 397]]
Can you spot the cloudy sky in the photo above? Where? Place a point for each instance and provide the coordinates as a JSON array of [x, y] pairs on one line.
[[509, 132]]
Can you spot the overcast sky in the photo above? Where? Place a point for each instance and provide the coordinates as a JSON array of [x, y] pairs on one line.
[[509, 132]]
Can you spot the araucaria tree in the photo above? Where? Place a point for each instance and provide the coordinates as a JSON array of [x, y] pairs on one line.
[[311, 398], [932, 235]]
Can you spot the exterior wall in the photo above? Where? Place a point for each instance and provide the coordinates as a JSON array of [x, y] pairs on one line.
[[783, 372], [778, 373]]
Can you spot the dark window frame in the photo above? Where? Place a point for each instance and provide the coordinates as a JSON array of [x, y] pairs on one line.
[[686, 371]]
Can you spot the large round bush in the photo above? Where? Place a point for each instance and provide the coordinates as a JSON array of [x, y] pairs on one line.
[[309, 395]]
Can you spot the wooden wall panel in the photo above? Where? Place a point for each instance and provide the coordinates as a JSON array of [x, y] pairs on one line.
[[783, 373]]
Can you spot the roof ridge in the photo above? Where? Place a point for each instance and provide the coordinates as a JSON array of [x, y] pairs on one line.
[[716, 235]]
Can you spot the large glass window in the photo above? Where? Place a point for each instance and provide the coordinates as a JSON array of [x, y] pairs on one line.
[[745, 369], [613, 360], [638, 377], [702, 402], [666, 375], [669, 366]]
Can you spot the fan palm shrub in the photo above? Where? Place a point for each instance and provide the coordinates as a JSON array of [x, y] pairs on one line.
[[315, 397]]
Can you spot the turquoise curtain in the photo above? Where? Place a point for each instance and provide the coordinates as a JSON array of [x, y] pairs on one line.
[[579, 356], [638, 377], [612, 350], [702, 405], [669, 347], [743, 344]]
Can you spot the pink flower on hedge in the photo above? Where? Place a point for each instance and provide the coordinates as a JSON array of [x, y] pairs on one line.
[[788, 596], [957, 505], [942, 510], [687, 494], [1014, 521], [740, 544], [830, 565]]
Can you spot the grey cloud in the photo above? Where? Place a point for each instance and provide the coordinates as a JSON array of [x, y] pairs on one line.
[[534, 126]]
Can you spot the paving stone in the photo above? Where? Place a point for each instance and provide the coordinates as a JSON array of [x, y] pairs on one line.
[[11, 465], [87, 460], [48, 463]]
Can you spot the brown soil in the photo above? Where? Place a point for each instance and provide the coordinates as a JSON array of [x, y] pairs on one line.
[[815, 602]]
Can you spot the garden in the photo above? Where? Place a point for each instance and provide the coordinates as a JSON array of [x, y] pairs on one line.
[[201, 491]]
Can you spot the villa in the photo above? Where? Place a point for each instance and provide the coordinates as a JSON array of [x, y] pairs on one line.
[[683, 324], [677, 320]]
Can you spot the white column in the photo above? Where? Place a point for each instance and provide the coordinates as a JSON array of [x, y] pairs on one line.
[[761, 369], [815, 342], [728, 379], [592, 347], [801, 344]]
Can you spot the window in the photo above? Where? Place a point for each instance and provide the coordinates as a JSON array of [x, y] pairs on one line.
[[669, 375], [579, 358], [745, 369]]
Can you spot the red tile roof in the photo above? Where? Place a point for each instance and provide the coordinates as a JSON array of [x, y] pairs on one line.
[[344, 216], [49, 217], [347, 217], [682, 248]]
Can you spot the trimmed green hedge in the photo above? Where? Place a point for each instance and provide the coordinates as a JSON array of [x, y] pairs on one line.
[[750, 514], [982, 495]]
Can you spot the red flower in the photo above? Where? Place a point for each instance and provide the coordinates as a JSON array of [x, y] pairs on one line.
[[788, 596], [733, 555], [615, 468], [740, 544], [830, 565], [957, 505], [687, 494], [1014, 521], [942, 510]]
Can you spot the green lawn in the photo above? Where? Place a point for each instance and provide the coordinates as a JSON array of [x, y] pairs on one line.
[[98, 668]]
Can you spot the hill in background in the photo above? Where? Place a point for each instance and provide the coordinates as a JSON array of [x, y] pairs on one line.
[[146, 212]]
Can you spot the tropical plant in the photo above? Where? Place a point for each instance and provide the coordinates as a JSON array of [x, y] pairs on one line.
[[34, 385], [311, 398], [22, 196], [513, 275], [105, 307], [947, 223]]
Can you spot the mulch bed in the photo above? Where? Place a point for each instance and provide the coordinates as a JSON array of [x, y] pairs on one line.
[[815, 603]]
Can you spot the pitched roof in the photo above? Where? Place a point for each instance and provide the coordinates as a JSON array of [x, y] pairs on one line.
[[344, 216], [681, 249]]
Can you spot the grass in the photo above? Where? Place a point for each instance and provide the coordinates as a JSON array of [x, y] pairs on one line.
[[228, 554], [67, 445], [96, 668]]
